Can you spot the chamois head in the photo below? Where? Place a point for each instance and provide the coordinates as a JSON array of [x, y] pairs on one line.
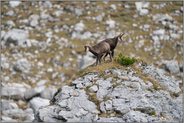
[[119, 37]]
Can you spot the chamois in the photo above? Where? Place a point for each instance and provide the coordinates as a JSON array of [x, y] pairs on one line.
[[113, 43], [99, 50]]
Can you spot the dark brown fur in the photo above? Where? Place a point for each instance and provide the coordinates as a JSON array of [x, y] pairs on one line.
[[113, 43]]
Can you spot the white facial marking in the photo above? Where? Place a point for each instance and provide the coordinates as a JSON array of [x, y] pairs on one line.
[[119, 38]]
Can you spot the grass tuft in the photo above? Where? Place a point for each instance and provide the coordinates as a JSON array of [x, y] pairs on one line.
[[124, 60]]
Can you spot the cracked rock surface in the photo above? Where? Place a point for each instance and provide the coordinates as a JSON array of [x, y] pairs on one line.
[[117, 99]]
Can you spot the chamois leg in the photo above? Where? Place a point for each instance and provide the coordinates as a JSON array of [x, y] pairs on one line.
[[105, 56], [100, 57], [96, 61], [112, 53]]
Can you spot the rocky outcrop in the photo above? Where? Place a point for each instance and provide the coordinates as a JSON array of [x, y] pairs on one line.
[[22, 65], [142, 8], [140, 94], [14, 91], [72, 105], [20, 101], [16, 37]]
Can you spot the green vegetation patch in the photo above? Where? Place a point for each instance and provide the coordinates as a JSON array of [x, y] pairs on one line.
[[125, 60]]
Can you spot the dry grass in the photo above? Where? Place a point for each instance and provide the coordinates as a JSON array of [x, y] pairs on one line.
[[100, 68]]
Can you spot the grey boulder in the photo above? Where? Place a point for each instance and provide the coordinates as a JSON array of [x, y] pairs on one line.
[[17, 37]]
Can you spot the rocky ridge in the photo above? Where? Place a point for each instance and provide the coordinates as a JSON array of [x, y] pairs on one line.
[[143, 93]]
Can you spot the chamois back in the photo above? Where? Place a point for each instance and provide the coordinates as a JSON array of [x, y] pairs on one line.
[[101, 47]]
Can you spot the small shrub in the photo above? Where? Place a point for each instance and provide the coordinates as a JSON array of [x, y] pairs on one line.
[[124, 60]]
